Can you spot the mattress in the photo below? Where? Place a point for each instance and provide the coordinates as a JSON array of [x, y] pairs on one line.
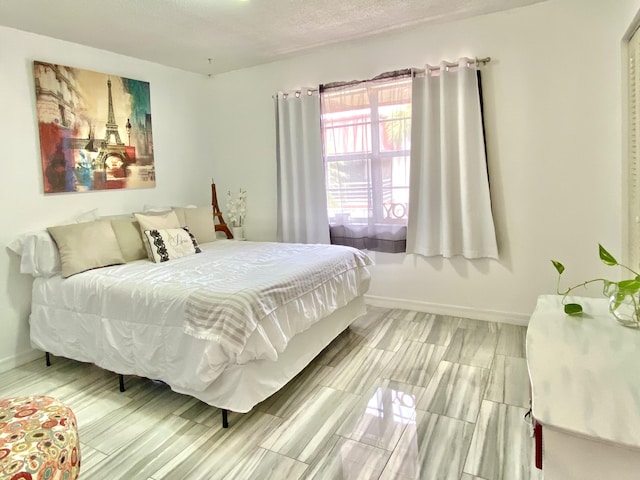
[[132, 318]]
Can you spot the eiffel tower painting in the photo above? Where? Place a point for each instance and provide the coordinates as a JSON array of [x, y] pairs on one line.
[[107, 147], [77, 154]]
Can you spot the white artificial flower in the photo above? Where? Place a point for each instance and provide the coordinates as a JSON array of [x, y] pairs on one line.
[[237, 208]]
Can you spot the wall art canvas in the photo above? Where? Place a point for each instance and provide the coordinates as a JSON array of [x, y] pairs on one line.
[[95, 130]]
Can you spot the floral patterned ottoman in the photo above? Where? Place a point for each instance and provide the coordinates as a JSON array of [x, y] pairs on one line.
[[38, 440]]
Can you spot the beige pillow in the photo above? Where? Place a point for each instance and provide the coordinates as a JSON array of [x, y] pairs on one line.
[[85, 246], [130, 238], [160, 221], [179, 211], [199, 220]]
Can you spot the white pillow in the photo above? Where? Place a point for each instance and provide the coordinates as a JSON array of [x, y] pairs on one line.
[[38, 252], [82, 217], [157, 221], [155, 208], [169, 244]]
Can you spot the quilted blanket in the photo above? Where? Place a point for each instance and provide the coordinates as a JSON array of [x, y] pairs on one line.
[[268, 277]]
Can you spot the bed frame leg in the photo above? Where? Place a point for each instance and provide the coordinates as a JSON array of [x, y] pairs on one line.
[[121, 378], [225, 418], [47, 358]]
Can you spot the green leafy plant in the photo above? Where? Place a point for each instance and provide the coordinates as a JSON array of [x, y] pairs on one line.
[[619, 292]]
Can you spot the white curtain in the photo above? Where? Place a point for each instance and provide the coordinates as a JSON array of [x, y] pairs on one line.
[[449, 202], [302, 207]]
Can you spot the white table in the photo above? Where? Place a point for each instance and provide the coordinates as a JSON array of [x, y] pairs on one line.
[[585, 380]]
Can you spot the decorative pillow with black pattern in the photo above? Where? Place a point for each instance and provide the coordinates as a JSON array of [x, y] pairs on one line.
[[171, 243]]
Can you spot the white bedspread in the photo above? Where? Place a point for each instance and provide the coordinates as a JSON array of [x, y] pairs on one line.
[[263, 280], [132, 318]]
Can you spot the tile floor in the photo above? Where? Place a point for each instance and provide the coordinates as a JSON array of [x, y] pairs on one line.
[[399, 395]]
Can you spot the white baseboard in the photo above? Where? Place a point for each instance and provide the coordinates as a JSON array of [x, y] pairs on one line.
[[9, 363], [450, 310]]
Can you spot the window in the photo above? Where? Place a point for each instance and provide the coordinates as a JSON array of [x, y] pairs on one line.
[[366, 130]]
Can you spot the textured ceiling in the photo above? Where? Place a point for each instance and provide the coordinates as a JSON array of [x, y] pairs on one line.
[[233, 33]]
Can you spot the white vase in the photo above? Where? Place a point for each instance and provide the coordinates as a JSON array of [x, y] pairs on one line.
[[238, 233]]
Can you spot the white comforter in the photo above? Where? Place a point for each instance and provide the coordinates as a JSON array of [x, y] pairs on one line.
[[132, 318]]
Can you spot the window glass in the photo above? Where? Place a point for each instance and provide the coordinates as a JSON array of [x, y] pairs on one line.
[[367, 140]]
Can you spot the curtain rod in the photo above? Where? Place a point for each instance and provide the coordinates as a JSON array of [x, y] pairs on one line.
[[436, 68], [297, 93], [400, 73], [394, 74]]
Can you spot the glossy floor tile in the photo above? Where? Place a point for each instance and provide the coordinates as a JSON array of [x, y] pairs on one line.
[[302, 436], [479, 324], [390, 334], [415, 363], [285, 401], [370, 322], [381, 415], [398, 395], [502, 448], [361, 368], [347, 459], [455, 390], [215, 454], [339, 349], [472, 346], [268, 465], [509, 381], [433, 446], [435, 329], [148, 453], [511, 341]]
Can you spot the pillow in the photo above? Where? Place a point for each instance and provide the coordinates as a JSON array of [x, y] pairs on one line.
[[158, 221], [199, 220], [82, 217], [38, 254], [180, 213], [152, 221], [85, 246], [155, 208], [171, 243], [130, 239]]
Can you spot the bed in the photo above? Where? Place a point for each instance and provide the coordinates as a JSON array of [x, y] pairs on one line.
[[230, 325]]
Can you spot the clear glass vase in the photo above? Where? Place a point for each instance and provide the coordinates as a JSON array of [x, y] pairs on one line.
[[625, 308]]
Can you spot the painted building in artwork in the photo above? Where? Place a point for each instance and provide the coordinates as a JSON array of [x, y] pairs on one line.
[[57, 94], [57, 100]]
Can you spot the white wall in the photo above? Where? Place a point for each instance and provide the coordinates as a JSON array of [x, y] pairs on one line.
[[181, 144], [553, 112]]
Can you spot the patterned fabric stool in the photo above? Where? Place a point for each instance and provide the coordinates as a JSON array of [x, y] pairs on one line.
[[38, 440]]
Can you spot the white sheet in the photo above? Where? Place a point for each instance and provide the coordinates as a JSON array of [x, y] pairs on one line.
[[129, 318]]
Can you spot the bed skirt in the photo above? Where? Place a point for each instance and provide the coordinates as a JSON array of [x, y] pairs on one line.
[[238, 388]]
